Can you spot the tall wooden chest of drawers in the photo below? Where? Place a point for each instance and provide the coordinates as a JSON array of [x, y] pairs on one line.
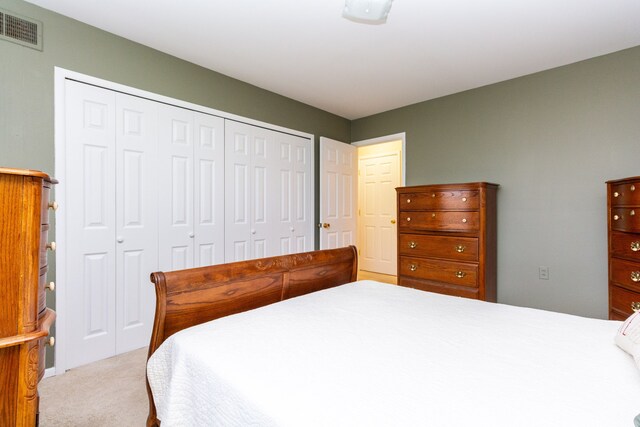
[[447, 239], [24, 318], [623, 212]]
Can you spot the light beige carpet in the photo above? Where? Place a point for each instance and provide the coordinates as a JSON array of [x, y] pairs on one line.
[[111, 392]]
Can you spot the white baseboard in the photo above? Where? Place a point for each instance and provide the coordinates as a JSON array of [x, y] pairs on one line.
[[49, 372]]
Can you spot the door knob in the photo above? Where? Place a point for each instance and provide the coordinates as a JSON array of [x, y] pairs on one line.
[[191, 234], [53, 205], [393, 221], [51, 286], [120, 239], [51, 246], [324, 225]]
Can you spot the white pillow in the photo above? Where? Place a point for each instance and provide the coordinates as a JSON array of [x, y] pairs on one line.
[[628, 336]]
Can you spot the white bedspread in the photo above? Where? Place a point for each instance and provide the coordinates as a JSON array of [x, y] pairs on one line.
[[372, 354]]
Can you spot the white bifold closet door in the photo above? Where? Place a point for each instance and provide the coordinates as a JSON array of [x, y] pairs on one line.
[[191, 189], [112, 222], [144, 189], [268, 192]]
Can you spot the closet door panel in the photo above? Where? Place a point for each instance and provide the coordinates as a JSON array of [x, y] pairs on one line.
[[91, 215], [136, 219], [209, 189], [176, 220], [237, 192], [266, 192], [294, 182]]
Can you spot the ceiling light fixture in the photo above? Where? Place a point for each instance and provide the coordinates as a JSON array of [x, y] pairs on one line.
[[367, 11]]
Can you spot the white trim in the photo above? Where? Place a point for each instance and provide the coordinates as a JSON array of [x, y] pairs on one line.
[[60, 76], [402, 136], [49, 372]]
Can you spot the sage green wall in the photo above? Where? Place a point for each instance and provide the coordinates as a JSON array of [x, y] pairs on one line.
[[550, 140], [27, 89]]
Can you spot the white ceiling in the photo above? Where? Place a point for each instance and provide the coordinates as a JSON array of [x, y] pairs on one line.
[[305, 50]]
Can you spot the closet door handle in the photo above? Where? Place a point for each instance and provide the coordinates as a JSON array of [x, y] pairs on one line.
[[51, 246], [191, 235], [120, 239]]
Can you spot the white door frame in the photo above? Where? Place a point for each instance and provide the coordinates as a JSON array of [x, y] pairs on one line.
[[60, 76]]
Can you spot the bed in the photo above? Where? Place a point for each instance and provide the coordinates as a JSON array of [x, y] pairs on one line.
[[297, 341]]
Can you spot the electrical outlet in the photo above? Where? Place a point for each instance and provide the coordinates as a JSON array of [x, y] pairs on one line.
[[543, 272]]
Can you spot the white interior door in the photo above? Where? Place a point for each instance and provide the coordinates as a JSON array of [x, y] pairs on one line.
[[378, 177], [338, 194], [136, 219], [176, 233], [91, 217]]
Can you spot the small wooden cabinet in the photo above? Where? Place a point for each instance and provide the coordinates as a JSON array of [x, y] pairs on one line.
[[447, 239], [623, 213], [24, 318]]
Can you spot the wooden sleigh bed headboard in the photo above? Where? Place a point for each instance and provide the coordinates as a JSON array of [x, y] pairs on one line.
[[189, 297]]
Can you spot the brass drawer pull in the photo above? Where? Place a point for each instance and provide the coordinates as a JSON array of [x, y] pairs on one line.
[[412, 245], [51, 246], [616, 194], [433, 194], [408, 219], [632, 213], [408, 200], [460, 274], [616, 217], [464, 220], [635, 276], [433, 215], [635, 306], [635, 246], [464, 199], [51, 286], [53, 205], [460, 248], [51, 341], [632, 188], [413, 267]]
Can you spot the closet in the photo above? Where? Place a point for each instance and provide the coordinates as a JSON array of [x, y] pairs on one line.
[[153, 186]]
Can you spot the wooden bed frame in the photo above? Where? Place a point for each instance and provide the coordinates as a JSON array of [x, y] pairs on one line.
[[189, 297]]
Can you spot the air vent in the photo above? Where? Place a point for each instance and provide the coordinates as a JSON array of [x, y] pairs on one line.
[[20, 29]]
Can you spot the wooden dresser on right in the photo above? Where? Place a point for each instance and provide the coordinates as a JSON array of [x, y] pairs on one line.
[[623, 212], [447, 239]]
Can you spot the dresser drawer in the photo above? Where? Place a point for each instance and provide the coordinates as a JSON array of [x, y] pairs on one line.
[[42, 296], [625, 245], [625, 194], [44, 205], [461, 274], [440, 221], [625, 219], [625, 273], [453, 248], [439, 200], [44, 235], [441, 288], [620, 301]]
